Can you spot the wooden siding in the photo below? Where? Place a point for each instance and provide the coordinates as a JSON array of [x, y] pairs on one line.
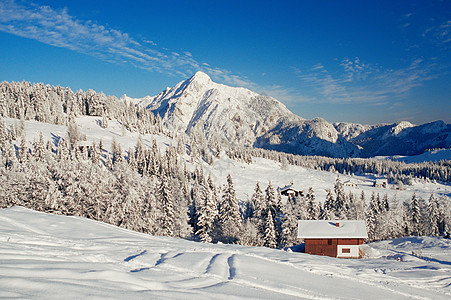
[[328, 247]]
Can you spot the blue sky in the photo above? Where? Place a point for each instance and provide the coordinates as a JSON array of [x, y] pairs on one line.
[[354, 61]]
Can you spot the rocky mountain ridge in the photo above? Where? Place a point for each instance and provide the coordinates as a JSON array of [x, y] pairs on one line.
[[238, 116]]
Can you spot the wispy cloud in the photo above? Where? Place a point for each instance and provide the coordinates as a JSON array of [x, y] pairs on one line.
[[58, 28], [359, 82], [441, 33]]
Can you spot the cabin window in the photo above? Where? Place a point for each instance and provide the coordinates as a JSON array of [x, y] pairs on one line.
[[345, 250], [329, 242]]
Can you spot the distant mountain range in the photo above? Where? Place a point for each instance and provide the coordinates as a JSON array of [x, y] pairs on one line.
[[238, 116]]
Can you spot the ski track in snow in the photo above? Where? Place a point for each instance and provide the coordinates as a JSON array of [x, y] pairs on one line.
[[52, 256]]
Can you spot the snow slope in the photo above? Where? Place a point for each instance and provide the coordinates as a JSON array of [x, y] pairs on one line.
[[244, 175], [433, 155], [51, 256], [401, 138]]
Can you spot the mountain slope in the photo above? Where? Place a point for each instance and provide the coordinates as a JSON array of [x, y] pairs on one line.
[[403, 138], [238, 116], [235, 115]]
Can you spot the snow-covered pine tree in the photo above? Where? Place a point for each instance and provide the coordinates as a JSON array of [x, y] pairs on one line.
[[104, 123], [259, 210], [23, 149], [415, 215], [385, 203], [351, 213], [140, 156], [95, 154], [372, 218], [433, 216], [167, 216], [313, 209], [327, 211], [73, 135], [118, 155], [273, 202], [289, 226], [360, 206], [62, 151], [229, 214], [207, 214], [108, 162], [195, 205], [300, 206], [131, 160], [84, 153], [338, 205], [13, 133], [39, 148], [270, 236], [256, 205], [3, 136]]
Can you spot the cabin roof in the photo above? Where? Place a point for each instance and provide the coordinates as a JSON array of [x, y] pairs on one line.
[[326, 229], [84, 144], [287, 188]]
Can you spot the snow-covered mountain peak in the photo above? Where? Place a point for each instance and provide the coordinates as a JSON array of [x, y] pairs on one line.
[[397, 129], [200, 78], [239, 116]]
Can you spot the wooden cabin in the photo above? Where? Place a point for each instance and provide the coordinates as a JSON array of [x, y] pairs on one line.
[[350, 184], [380, 183], [289, 191], [338, 238]]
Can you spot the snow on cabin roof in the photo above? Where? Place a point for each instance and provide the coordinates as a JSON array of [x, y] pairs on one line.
[[84, 144], [286, 188], [326, 229]]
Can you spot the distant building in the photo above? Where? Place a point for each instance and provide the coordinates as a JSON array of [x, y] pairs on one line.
[[289, 190], [339, 238], [380, 183], [84, 145], [350, 183]]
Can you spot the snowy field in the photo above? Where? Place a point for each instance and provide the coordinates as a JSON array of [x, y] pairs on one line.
[[52, 256], [244, 175]]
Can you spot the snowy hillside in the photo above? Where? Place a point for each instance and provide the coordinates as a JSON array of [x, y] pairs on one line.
[[52, 256], [432, 155], [401, 138], [245, 175]]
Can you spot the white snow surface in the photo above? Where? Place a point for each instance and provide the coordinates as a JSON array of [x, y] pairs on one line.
[[45, 256], [433, 155], [323, 229]]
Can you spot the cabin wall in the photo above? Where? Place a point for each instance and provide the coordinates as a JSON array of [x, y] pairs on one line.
[[348, 251], [327, 247], [333, 247]]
